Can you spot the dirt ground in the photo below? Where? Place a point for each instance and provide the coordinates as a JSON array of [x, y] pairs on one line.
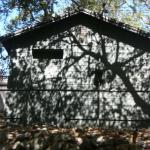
[[52, 138], [45, 137]]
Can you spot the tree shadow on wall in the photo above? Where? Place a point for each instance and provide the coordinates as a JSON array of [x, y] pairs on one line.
[[94, 85]]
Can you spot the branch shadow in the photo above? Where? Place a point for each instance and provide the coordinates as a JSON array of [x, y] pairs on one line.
[[62, 92]]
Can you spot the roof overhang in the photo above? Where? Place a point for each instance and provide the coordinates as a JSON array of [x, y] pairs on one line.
[[97, 24]]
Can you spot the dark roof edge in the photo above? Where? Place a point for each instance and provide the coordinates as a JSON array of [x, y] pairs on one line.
[[86, 18], [94, 14]]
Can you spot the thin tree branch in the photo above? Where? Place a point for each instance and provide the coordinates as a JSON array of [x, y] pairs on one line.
[[76, 3]]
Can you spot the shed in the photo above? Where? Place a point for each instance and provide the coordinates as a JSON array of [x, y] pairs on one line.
[[61, 91]]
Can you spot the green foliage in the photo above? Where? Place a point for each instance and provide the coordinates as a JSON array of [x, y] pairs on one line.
[[135, 13], [26, 12]]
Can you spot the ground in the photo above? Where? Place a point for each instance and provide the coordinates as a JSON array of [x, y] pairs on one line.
[[46, 137]]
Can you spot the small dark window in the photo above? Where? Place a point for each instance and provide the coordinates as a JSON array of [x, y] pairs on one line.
[[47, 53]]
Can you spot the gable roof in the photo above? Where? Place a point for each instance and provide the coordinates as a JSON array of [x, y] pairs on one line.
[[109, 27]]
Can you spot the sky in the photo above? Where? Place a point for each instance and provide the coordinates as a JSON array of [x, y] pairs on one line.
[[64, 3], [60, 6]]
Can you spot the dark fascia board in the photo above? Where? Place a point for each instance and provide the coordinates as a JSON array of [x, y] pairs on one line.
[[97, 24]]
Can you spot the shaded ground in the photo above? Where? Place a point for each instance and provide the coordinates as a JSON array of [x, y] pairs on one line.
[[45, 137]]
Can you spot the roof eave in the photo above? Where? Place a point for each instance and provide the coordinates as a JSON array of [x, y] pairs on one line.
[[103, 27]]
